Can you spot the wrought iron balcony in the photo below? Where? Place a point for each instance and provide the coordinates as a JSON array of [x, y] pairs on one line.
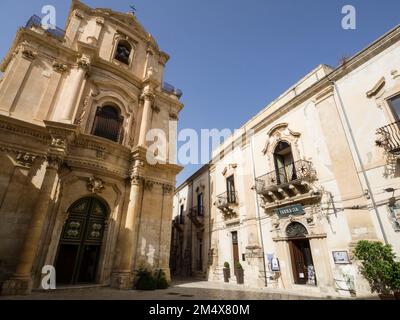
[[196, 215], [389, 138], [226, 202], [289, 181], [226, 199]]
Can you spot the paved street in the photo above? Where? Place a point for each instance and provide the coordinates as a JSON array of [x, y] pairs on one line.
[[180, 290]]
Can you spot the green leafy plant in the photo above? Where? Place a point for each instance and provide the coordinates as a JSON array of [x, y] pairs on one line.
[[226, 265], [145, 279], [239, 266], [379, 266], [161, 280]]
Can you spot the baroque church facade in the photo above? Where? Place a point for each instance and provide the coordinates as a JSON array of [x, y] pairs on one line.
[[77, 191]]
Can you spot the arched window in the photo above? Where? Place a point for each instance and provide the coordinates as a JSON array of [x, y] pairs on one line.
[[108, 124], [123, 52], [284, 163]]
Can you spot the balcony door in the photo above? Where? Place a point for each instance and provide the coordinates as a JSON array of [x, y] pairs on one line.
[[230, 187], [284, 163], [394, 104]]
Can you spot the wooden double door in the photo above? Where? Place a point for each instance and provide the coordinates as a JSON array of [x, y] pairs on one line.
[[302, 262], [80, 244]]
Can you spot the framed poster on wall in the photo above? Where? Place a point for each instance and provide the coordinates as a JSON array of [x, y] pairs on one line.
[[341, 257]]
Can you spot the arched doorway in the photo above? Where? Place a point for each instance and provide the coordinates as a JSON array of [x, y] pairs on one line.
[[80, 243], [301, 256]]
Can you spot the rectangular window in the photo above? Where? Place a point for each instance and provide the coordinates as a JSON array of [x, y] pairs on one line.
[[200, 203], [181, 215], [230, 188], [395, 106]]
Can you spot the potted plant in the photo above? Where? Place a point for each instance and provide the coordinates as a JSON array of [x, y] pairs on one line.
[[227, 272], [380, 268], [239, 273]]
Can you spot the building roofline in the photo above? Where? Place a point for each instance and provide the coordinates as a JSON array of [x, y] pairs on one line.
[[195, 175], [360, 58]]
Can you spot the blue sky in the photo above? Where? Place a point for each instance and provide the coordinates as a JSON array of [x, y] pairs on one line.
[[231, 57]]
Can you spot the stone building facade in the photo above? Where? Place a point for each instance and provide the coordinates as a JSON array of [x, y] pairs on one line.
[[76, 188], [191, 236], [317, 170]]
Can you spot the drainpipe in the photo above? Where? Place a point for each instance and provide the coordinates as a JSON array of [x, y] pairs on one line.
[[341, 104], [258, 212]]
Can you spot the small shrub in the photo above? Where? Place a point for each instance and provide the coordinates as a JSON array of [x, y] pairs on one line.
[[226, 265], [145, 280], [239, 266], [161, 280]]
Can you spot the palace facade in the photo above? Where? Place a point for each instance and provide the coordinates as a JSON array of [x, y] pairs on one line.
[[77, 191], [295, 189]]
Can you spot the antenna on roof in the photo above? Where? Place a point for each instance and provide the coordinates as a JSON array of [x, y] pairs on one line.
[[133, 9]]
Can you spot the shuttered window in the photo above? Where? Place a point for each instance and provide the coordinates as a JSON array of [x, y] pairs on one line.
[[108, 124]]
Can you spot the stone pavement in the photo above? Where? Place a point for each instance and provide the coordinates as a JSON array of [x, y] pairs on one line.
[[179, 290]]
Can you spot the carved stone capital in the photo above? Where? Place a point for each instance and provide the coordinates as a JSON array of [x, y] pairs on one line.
[[84, 65], [149, 185], [25, 159], [155, 108], [95, 185], [29, 54], [59, 67], [58, 143], [136, 180], [168, 189], [148, 95], [54, 161]]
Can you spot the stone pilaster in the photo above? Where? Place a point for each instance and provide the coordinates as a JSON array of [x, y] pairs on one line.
[[21, 282]]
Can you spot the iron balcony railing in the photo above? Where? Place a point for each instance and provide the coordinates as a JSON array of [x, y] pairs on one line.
[[389, 138], [197, 211], [170, 89], [226, 199], [298, 171], [36, 21]]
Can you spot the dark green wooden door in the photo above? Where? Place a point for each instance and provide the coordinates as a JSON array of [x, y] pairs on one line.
[[80, 243]]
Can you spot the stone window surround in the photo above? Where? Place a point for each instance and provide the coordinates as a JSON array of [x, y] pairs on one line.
[[103, 100], [119, 36]]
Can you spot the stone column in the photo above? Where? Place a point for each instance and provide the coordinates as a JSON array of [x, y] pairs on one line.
[[148, 98], [66, 106], [21, 282], [127, 242], [166, 229]]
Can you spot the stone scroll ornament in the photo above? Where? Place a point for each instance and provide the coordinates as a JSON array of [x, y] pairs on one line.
[[95, 185]]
